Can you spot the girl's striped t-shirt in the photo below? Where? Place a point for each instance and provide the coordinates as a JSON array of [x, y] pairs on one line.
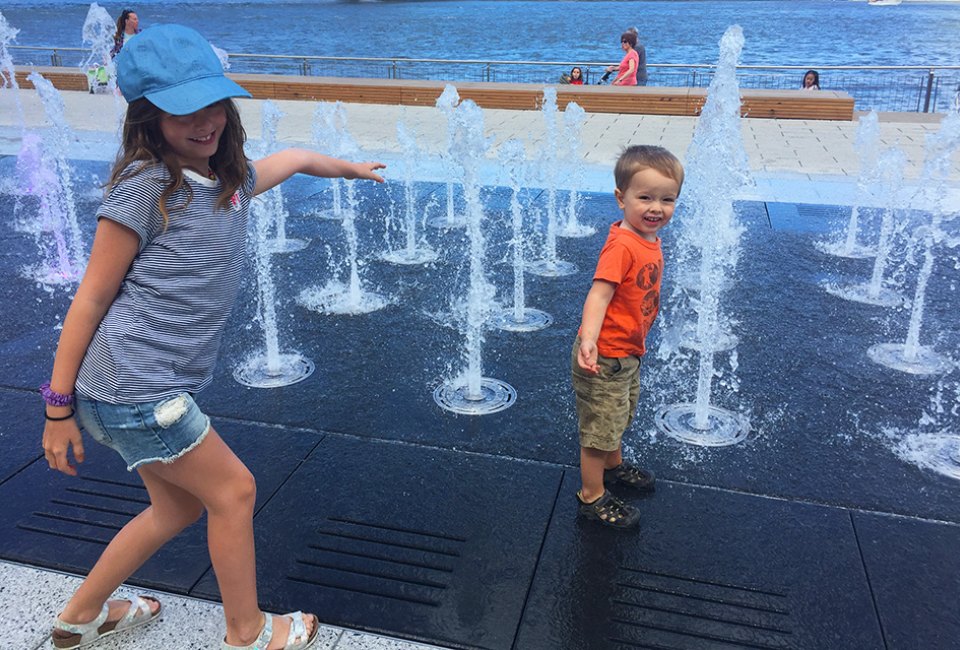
[[161, 335]]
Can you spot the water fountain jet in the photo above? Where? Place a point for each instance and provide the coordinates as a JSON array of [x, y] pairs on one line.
[[550, 265], [910, 356], [471, 393], [717, 170], [518, 318]]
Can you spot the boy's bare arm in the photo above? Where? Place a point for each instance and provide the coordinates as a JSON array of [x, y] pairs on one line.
[[594, 309]]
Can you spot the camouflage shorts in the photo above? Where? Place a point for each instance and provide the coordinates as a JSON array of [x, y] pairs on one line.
[[605, 402]]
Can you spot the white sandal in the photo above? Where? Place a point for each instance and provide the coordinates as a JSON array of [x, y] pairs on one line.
[[298, 630], [67, 636]]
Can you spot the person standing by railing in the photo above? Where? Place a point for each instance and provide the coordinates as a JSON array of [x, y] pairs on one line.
[[641, 58], [627, 70], [128, 26]]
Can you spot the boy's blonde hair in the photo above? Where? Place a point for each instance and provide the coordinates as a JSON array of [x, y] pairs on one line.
[[644, 156]]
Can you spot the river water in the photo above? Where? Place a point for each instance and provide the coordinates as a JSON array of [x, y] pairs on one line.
[[801, 32]]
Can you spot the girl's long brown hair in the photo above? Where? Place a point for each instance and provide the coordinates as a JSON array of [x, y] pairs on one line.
[[143, 142]]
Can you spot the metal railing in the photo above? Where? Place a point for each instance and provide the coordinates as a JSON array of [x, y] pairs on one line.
[[883, 88]]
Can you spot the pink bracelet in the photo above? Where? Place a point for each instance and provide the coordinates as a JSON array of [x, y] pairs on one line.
[[52, 397]]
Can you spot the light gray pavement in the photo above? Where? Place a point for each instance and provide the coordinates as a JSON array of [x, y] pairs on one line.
[[792, 160], [802, 161]]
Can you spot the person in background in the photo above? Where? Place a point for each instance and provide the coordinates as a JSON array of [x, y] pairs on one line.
[[811, 80], [128, 26], [576, 76], [641, 58], [627, 70]]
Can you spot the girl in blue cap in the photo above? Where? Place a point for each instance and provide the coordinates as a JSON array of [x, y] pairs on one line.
[[142, 334]]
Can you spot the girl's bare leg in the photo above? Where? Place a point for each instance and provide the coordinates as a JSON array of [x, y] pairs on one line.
[[171, 510], [213, 474]]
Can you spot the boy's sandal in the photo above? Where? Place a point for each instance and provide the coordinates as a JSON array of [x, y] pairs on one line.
[[610, 511], [627, 473], [73, 635], [297, 639]]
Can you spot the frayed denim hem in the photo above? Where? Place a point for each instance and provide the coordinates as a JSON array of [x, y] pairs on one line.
[[172, 459]]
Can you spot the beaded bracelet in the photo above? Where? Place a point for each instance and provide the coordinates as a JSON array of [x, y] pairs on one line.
[[60, 419], [52, 397]]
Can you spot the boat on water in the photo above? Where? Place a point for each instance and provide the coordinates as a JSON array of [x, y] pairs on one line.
[[883, 3]]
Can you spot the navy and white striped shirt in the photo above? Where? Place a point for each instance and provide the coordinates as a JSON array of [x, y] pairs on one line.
[[162, 333]]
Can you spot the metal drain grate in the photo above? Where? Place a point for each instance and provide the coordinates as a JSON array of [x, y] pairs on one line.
[[822, 211], [91, 512], [381, 560], [666, 612]]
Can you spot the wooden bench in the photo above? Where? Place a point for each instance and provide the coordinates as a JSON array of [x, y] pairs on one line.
[[643, 100], [61, 78]]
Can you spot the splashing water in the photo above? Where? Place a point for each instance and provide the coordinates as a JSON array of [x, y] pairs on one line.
[[935, 444], [709, 240], [268, 368], [61, 260], [447, 102], [868, 147], [890, 165], [911, 356], [55, 184], [337, 296], [518, 318], [329, 122], [574, 118], [280, 243], [551, 265], [98, 31], [471, 393], [415, 252], [8, 77]]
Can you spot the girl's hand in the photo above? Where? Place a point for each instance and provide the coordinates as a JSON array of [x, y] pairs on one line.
[[58, 437], [366, 170]]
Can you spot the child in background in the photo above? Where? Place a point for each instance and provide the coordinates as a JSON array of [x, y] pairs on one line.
[[811, 80], [576, 76], [617, 315], [142, 334]]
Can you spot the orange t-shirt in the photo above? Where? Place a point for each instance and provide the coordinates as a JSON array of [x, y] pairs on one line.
[[635, 266]]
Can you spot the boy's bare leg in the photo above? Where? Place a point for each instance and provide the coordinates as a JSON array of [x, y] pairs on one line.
[[592, 464], [614, 458]]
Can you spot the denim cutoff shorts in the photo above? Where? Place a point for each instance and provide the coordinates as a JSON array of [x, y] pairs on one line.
[[146, 432]]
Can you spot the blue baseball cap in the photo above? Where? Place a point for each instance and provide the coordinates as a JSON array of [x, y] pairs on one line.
[[175, 68]]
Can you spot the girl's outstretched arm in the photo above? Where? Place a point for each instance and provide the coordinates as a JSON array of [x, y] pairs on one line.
[[114, 248], [278, 167]]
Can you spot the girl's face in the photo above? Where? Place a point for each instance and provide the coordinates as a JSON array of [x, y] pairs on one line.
[[808, 80], [132, 23], [575, 73], [194, 138]]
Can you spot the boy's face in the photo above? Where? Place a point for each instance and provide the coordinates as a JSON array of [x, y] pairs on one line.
[[647, 203]]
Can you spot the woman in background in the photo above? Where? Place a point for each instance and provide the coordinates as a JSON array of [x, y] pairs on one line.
[[627, 70], [128, 26]]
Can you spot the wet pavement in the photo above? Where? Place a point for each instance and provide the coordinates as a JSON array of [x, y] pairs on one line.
[[426, 527]]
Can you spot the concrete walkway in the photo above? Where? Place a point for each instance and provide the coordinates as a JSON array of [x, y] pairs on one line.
[[798, 161]]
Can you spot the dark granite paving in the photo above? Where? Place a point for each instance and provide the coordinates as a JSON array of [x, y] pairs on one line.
[[386, 513]]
